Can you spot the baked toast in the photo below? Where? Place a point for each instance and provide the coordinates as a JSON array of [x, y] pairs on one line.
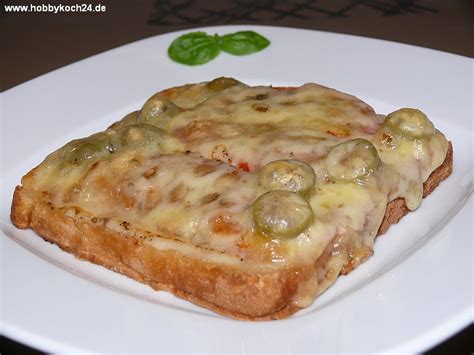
[[249, 201]]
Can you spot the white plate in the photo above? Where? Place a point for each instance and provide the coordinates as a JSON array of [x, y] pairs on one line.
[[413, 293]]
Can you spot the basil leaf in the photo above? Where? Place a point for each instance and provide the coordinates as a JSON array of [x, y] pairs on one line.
[[194, 48], [244, 42], [198, 47]]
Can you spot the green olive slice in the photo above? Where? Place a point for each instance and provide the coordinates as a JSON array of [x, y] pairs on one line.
[[87, 149], [352, 160], [410, 123], [158, 111], [222, 83], [290, 175], [281, 214], [83, 151]]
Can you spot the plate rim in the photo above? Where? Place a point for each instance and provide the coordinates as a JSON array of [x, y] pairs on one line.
[[7, 329]]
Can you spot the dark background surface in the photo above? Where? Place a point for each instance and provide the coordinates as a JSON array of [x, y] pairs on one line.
[[36, 43]]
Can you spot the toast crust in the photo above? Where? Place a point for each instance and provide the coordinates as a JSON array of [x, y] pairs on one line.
[[225, 289]]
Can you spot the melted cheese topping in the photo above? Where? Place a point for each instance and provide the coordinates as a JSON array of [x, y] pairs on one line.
[[195, 178]]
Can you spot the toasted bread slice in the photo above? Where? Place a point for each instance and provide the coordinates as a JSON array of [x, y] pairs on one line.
[[229, 263]]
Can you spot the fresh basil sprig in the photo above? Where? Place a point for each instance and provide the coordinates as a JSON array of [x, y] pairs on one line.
[[196, 48]]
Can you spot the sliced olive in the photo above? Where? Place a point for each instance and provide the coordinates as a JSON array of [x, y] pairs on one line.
[[222, 83], [410, 123], [158, 111], [140, 135], [352, 160], [85, 149], [281, 214], [290, 175]]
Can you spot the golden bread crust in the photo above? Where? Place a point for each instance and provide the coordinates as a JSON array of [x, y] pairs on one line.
[[226, 289]]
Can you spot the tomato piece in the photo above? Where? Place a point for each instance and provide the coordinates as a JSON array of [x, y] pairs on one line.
[[243, 166]]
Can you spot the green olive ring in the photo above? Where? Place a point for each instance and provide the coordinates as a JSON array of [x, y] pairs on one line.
[[87, 149], [98, 145], [221, 83], [281, 214], [140, 135], [352, 160], [83, 151], [158, 111], [290, 175], [410, 123]]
